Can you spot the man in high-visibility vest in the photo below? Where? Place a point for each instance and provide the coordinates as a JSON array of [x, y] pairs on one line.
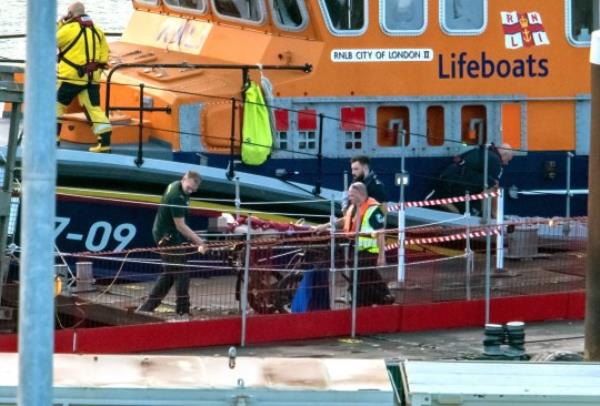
[[360, 166], [82, 54], [365, 213]]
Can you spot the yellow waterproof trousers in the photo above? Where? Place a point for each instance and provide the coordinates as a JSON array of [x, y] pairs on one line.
[[89, 99]]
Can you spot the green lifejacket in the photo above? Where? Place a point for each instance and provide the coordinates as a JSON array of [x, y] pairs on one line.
[[257, 138]]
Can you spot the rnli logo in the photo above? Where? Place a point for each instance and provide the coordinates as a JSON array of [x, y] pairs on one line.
[[523, 29], [182, 35]]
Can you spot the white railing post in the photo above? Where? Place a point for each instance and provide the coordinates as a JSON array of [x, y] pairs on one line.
[[468, 250], [332, 256], [568, 194], [238, 200], [244, 293], [401, 244], [401, 212], [355, 276], [488, 260], [500, 235]]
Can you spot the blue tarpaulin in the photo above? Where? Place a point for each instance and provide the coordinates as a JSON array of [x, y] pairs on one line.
[[313, 292]]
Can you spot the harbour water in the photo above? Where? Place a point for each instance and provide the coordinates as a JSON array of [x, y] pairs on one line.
[[111, 15]]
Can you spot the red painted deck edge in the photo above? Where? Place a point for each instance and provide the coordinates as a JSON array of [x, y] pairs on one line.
[[321, 324]]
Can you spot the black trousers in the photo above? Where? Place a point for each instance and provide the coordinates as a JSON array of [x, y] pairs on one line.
[[372, 289], [174, 272]]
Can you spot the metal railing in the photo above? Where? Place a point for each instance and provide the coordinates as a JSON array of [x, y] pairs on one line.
[[282, 273], [245, 69]]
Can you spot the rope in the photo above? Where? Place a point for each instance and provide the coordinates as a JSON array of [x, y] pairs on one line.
[[307, 236], [114, 280]]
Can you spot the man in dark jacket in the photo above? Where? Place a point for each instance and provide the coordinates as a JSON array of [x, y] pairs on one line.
[[466, 174], [362, 172], [170, 229]]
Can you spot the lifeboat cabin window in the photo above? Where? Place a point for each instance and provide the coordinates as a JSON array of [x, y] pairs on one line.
[[391, 121], [463, 17], [435, 126], [582, 19], [344, 16], [307, 130], [198, 6], [289, 14], [282, 128], [247, 10], [307, 140], [404, 17], [353, 140], [148, 2], [352, 123], [473, 124]]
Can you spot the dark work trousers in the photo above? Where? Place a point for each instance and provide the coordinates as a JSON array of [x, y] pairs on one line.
[[372, 289], [174, 272]]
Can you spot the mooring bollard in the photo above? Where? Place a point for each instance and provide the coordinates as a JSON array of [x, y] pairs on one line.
[[497, 335], [84, 277], [515, 332], [494, 338]]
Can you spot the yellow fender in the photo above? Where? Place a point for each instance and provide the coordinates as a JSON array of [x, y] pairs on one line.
[[57, 286], [257, 139]]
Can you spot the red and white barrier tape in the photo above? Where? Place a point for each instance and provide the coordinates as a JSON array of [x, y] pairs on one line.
[[446, 200], [446, 238]]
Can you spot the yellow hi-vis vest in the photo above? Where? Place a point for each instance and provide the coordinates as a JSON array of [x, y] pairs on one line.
[[365, 243], [257, 138], [368, 243]]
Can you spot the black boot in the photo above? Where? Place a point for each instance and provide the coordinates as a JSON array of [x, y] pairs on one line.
[[103, 145]]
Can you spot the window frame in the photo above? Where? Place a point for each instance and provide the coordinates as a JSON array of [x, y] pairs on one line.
[[397, 107], [353, 137], [488, 136], [304, 137], [261, 6], [569, 28], [187, 10], [345, 33], [303, 12], [147, 3], [444, 125], [279, 140], [452, 31], [403, 33]]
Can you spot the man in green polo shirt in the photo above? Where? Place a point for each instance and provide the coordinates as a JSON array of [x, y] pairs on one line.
[[170, 229]]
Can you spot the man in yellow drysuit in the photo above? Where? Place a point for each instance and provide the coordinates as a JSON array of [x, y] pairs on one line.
[[83, 53]]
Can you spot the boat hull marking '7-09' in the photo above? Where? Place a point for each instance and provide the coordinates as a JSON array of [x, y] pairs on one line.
[[447, 74]]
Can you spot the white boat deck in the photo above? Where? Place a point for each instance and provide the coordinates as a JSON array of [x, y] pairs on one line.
[[192, 380], [500, 383]]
